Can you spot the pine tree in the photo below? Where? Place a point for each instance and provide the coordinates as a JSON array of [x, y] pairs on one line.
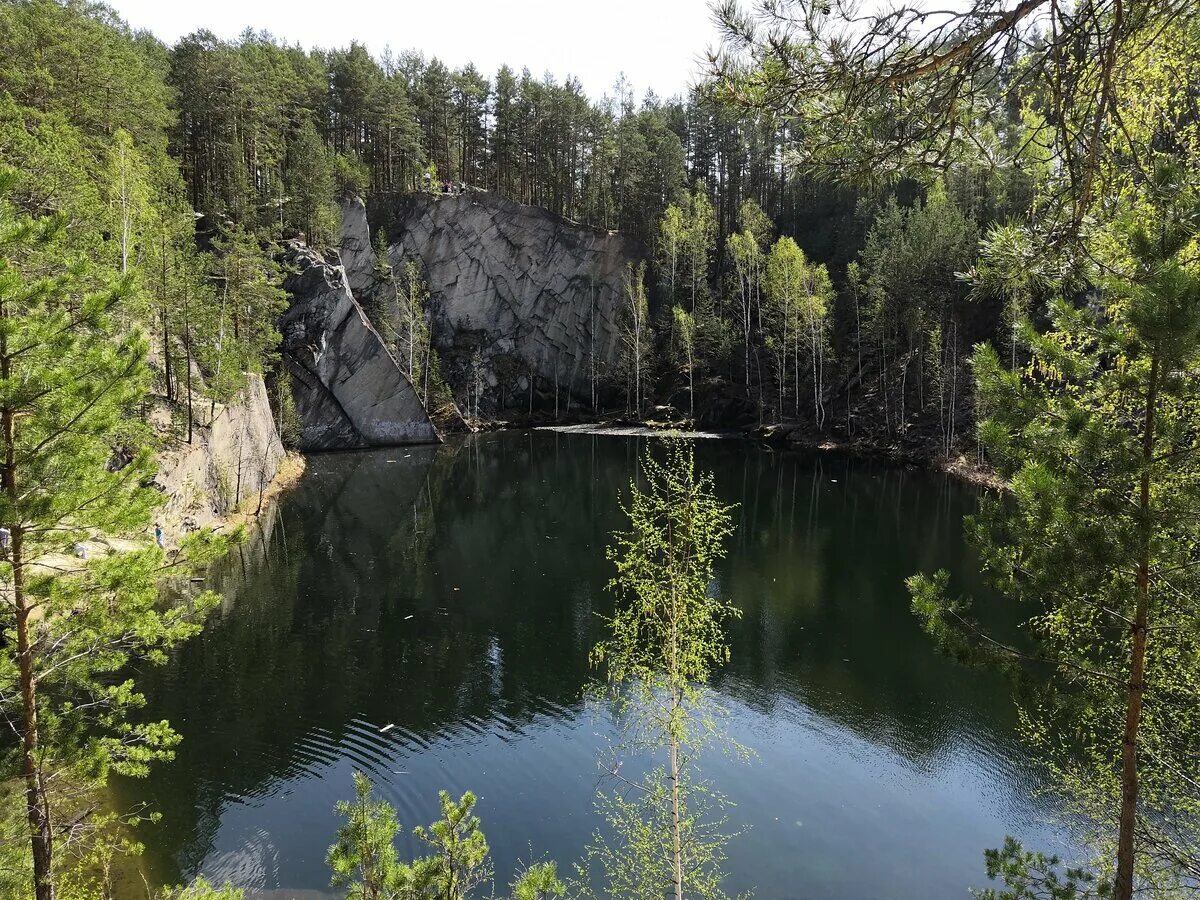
[[364, 856], [1097, 437], [459, 861], [310, 185], [70, 386]]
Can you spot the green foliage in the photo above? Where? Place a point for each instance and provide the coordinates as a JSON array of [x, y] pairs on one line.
[[664, 638], [412, 338], [128, 198], [800, 297], [410, 334], [633, 852], [200, 889], [636, 348], [309, 180], [994, 93], [701, 237], [236, 334], [364, 860], [72, 381], [684, 332], [60, 58], [667, 625], [538, 882], [1096, 435], [1034, 876], [459, 862], [364, 856], [350, 177], [287, 418]]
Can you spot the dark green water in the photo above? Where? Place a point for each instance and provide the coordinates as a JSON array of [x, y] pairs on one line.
[[452, 593]]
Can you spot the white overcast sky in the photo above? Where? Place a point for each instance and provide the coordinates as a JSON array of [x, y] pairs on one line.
[[658, 44]]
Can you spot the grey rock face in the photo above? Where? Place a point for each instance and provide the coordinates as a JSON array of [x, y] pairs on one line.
[[349, 391], [370, 286], [517, 293]]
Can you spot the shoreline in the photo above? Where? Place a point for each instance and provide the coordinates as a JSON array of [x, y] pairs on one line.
[[959, 467], [291, 468], [786, 437]]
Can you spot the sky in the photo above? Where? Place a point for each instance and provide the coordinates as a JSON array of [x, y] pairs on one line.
[[657, 44]]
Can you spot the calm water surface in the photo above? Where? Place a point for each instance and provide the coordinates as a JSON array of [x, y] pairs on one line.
[[453, 593]]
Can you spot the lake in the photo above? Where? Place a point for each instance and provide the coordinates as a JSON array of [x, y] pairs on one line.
[[425, 614]]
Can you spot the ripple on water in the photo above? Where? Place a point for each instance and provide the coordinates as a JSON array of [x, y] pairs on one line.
[[456, 600]]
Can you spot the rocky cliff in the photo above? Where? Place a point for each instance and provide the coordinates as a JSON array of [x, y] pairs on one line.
[[525, 304], [349, 391], [229, 460]]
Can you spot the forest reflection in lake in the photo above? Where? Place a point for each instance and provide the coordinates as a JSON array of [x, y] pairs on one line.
[[453, 593]]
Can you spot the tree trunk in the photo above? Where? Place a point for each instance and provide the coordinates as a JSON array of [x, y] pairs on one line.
[[187, 346], [1123, 889], [676, 837], [41, 834], [37, 810], [676, 700], [166, 325], [691, 386]]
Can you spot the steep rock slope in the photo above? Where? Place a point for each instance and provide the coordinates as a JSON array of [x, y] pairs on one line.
[[349, 391], [517, 293], [230, 459]]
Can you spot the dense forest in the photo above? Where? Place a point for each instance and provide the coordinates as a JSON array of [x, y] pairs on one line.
[[963, 235], [241, 144]]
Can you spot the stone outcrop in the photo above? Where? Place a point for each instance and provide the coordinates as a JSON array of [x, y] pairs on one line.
[[349, 391], [525, 304], [229, 460], [372, 286]]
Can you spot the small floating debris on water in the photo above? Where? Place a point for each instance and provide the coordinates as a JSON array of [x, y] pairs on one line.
[[390, 460], [407, 455], [458, 589], [833, 481], [386, 728], [406, 618]]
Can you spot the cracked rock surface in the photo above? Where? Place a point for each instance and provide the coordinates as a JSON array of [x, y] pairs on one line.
[[525, 304], [349, 391]]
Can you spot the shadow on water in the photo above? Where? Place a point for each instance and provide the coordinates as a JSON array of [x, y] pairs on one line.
[[425, 615]]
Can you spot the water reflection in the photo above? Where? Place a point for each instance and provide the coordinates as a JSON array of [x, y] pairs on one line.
[[425, 615]]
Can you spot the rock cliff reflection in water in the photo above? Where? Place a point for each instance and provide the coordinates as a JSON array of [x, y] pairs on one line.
[[453, 593]]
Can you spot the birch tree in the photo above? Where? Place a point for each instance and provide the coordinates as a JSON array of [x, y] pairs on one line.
[[128, 185], [685, 331], [636, 336], [664, 640]]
